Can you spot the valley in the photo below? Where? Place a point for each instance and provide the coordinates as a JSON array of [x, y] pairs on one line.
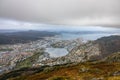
[[25, 60], [12, 54]]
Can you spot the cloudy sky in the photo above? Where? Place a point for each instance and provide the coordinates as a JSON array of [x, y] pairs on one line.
[[42, 14]]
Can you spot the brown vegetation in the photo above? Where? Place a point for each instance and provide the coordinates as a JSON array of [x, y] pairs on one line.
[[82, 71]]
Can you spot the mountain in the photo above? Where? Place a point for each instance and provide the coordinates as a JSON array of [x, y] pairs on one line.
[[24, 36], [95, 50], [108, 45]]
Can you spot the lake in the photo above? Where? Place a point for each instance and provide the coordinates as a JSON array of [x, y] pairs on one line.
[[56, 52]]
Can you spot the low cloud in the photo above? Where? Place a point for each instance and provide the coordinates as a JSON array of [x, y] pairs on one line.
[[63, 12]]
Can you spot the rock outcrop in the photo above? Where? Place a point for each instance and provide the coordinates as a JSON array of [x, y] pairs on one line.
[[115, 57]]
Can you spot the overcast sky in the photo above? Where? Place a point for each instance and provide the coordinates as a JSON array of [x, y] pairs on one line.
[[34, 13]]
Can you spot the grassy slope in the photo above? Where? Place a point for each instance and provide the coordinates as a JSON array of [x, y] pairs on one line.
[[82, 71], [115, 57]]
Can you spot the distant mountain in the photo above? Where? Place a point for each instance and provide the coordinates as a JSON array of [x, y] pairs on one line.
[[8, 31], [24, 36]]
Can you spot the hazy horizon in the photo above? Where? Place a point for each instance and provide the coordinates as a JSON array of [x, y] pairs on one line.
[[16, 25]]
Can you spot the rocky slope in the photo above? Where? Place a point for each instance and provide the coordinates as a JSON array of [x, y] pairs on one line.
[[95, 50], [115, 57]]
